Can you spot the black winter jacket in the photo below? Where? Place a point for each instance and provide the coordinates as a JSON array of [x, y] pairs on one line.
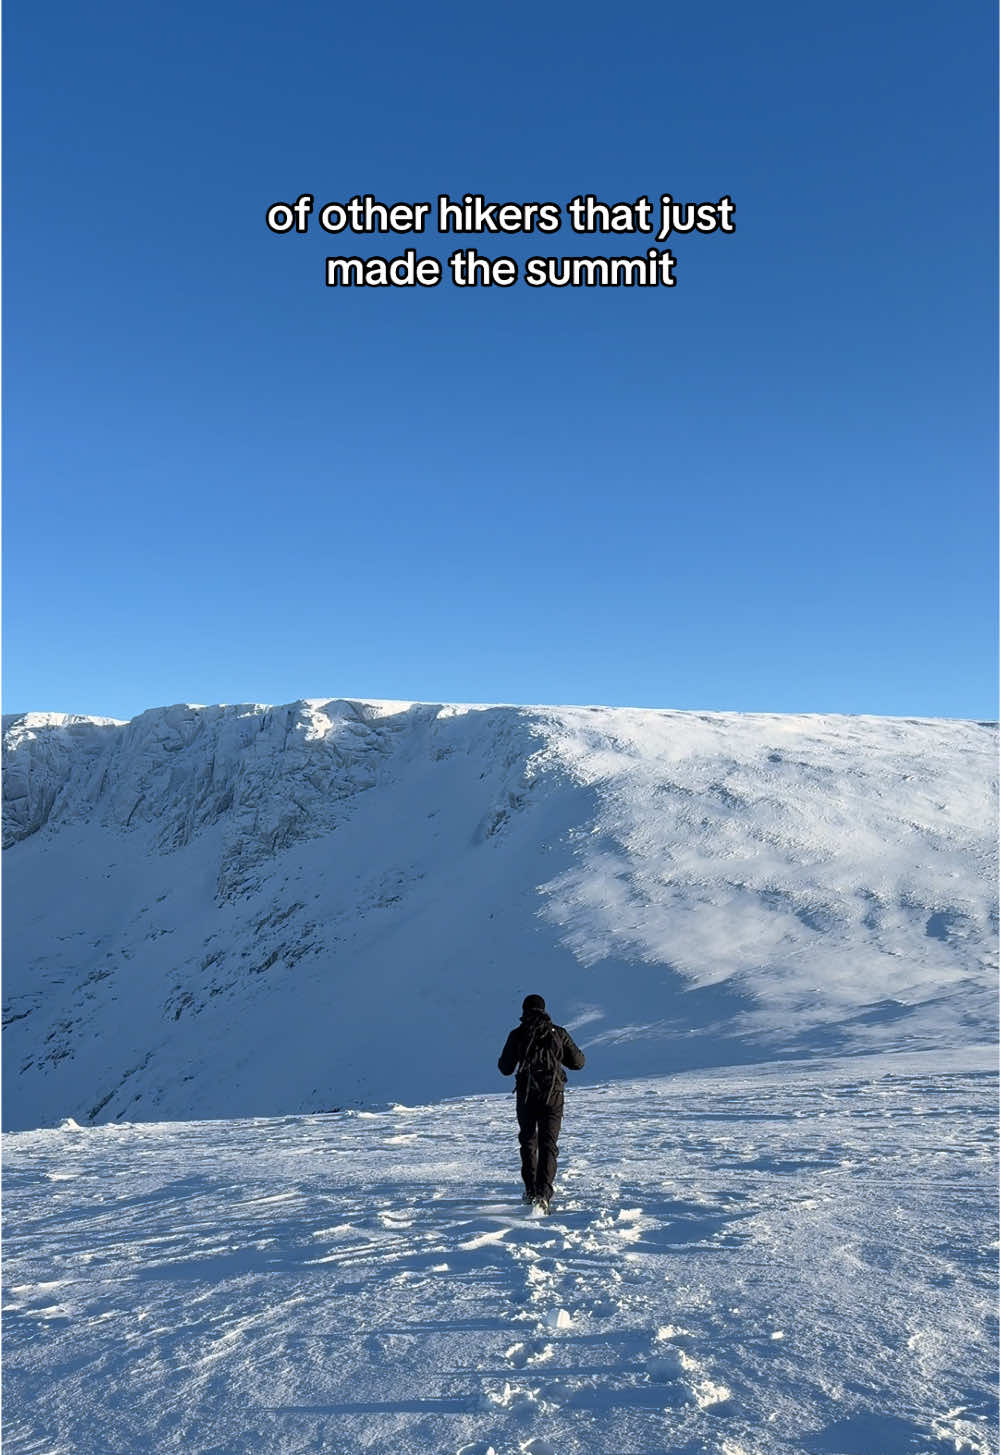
[[570, 1054]]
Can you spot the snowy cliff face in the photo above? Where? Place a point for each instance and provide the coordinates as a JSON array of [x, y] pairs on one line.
[[252, 910]]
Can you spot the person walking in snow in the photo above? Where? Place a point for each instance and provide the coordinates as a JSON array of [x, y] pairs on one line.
[[539, 1049]]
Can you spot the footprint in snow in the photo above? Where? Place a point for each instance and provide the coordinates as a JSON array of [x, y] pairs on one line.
[[668, 1365], [673, 1367], [708, 1393], [529, 1351], [518, 1400]]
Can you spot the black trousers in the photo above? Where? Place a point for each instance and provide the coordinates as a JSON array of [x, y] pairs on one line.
[[538, 1129]]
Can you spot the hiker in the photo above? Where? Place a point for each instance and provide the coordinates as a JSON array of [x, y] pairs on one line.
[[540, 1050]]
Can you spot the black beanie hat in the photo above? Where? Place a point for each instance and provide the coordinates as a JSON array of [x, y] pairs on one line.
[[533, 1002]]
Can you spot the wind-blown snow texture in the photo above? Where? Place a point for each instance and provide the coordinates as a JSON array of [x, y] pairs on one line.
[[245, 910], [790, 1260]]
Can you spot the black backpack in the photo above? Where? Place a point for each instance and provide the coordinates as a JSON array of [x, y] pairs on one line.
[[540, 1071]]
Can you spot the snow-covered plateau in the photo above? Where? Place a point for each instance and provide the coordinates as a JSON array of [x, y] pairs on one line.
[[770, 1260], [261, 1176]]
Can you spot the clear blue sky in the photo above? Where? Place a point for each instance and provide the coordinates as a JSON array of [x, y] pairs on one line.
[[771, 487]]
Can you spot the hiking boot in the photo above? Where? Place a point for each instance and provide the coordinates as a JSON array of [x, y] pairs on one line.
[[542, 1203]]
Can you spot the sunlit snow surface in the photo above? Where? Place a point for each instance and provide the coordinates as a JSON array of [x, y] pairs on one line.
[[790, 1258], [237, 912]]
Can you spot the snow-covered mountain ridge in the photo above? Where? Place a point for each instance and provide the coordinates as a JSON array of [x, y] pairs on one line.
[[243, 910]]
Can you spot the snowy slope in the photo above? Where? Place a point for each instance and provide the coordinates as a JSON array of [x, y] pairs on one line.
[[243, 910], [795, 1259]]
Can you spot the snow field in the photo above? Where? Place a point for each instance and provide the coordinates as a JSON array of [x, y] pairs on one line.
[[790, 1258]]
